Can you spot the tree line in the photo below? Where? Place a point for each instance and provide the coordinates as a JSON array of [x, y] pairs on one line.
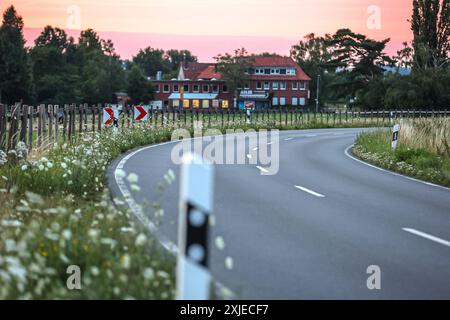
[[354, 70]]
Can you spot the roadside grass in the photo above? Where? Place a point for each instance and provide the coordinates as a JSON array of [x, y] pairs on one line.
[[423, 151]]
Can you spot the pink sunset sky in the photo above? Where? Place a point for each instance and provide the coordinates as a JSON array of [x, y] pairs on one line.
[[210, 27]]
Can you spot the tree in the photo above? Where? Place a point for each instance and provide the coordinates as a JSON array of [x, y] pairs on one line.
[[233, 69], [55, 77], [404, 57], [139, 88], [176, 57], [15, 72], [151, 61], [430, 24]]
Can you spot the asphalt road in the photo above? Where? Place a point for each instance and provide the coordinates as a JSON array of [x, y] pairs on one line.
[[312, 230]]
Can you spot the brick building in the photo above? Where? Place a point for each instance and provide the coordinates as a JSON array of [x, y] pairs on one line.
[[274, 82]]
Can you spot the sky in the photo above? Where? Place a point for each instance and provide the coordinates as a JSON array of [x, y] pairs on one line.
[[210, 27]]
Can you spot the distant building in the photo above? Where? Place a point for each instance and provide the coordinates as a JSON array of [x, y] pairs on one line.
[[274, 82]]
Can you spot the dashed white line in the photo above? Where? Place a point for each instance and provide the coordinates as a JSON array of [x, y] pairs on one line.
[[255, 149], [311, 135], [428, 236], [270, 143], [310, 192], [288, 139], [249, 156], [264, 170]]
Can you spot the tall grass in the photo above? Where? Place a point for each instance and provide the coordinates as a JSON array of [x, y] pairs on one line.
[[423, 149]]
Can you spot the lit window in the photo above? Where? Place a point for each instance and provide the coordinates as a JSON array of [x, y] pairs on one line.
[[176, 103], [205, 104]]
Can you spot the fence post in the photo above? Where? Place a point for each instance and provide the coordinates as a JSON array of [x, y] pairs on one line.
[[56, 113], [30, 128], [65, 115], [80, 125], [50, 123], [99, 117], [3, 122], [40, 119], [14, 126], [23, 124]]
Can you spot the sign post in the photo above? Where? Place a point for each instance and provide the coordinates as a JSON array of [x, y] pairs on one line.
[[395, 135], [196, 199]]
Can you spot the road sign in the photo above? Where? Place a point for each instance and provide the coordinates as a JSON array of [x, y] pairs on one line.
[[250, 105], [196, 198], [141, 113], [110, 116], [395, 135]]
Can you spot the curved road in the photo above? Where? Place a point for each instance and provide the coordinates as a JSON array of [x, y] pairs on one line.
[[312, 230]]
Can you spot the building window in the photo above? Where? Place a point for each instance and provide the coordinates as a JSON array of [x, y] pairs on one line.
[[176, 88], [267, 85], [259, 85], [302, 101], [196, 104], [166, 88], [196, 88], [158, 88], [215, 88], [283, 85], [225, 104], [247, 86], [266, 71], [205, 104], [215, 103], [283, 101], [303, 85], [282, 71], [205, 88], [185, 103], [275, 101], [176, 103], [225, 88], [290, 72], [275, 85], [294, 101], [186, 88], [295, 85]]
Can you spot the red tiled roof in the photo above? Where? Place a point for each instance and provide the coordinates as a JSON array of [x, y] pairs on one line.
[[210, 73], [196, 70], [274, 61]]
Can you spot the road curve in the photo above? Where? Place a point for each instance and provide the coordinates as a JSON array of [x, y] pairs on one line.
[[312, 230]]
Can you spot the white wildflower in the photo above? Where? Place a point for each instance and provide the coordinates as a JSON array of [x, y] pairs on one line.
[[140, 240]]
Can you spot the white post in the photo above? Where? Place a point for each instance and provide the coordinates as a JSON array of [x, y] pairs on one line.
[[395, 135], [196, 203]]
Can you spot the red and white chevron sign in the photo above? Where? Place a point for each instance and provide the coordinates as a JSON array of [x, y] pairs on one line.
[[109, 114], [140, 113]]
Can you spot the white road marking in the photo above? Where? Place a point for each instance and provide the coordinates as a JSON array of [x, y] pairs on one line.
[[338, 134], [428, 236], [262, 169], [249, 156], [310, 191], [255, 149], [311, 135], [347, 153], [288, 139], [270, 143]]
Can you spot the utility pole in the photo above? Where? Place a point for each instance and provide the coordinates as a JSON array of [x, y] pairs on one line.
[[317, 97]]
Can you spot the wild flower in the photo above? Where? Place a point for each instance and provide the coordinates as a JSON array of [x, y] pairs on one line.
[[3, 158], [140, 240]]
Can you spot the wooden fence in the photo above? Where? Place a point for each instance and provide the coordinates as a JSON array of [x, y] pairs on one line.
[[45, 125]]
